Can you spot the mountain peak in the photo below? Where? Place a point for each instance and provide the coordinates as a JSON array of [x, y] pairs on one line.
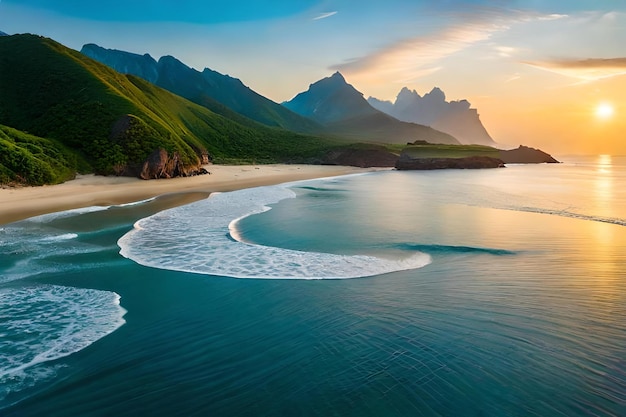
[[337, 76], [334, 81], [436, 93], [407, 97], [329, 100], [3, 34], [456, 117], [143, 66]]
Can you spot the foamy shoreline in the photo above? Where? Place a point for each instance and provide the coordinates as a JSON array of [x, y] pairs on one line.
[[91, 190]]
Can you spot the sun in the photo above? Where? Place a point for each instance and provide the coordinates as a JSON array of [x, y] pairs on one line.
[[604, 111]]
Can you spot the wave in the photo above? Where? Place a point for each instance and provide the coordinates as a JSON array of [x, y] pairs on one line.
[[50, 217], [30, 249], [136, 203], [41, 324], [202, 238], [59, 238], [569, 214], [451, 249]]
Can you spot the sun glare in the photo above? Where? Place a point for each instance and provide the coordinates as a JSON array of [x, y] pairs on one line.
[[604, 111]]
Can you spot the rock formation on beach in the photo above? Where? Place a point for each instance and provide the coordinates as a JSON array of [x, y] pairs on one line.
[[454, 117], [160, 164]]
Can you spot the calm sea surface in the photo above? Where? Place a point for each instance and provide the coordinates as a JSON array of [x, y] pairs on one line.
[[445, 293]]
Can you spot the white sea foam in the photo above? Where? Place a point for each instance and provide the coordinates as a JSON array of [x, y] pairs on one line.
[[201, 238], [136, 203], [28, 249], [40, 324], [46, 218], [57, 238]]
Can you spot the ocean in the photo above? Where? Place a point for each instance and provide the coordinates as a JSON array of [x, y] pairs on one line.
[[393, 293]]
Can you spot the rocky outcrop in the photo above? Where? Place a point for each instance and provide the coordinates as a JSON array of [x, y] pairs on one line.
[[405, 162], [160, 164], [526, 155], [361, 157]]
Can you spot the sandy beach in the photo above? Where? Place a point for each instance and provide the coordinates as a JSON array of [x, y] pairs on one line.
[[91, 190]]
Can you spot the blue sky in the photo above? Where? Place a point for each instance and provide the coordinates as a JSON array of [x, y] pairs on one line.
[[488, 51]]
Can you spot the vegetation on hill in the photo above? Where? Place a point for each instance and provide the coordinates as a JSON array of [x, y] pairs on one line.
[[114, 121], [427, 150], [219, 93], [28, 159]]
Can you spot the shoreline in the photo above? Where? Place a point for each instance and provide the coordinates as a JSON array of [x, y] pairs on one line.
[[92, 190]]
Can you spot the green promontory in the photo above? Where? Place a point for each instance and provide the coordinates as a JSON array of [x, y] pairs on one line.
[[113, 122]]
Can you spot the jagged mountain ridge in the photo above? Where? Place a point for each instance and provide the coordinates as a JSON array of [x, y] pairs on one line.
[[219, 93], [454, 117], [343, 110]]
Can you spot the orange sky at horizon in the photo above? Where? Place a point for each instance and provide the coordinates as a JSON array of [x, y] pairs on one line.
[[561, 121]]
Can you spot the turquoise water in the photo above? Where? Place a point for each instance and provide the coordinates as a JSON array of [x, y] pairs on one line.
[[449, 293]]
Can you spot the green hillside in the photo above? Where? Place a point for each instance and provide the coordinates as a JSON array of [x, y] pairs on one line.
[[428, 150], [115, 121], [28, 159]]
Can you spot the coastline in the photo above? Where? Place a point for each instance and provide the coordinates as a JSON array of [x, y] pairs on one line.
[[92, 190]]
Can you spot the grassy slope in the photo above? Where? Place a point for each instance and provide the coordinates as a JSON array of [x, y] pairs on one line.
[[54, 92], [450, 151], [28, 159]]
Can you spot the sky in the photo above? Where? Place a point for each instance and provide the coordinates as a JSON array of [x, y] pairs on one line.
[[543, 73]]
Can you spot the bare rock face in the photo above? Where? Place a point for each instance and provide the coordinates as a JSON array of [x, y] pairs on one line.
[[159, 165]]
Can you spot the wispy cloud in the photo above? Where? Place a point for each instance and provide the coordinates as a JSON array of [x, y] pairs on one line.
[[590, 69], [415, 57], [324, 15]]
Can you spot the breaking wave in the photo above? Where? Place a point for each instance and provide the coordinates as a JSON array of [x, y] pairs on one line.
[[40, 324], [202, 238]]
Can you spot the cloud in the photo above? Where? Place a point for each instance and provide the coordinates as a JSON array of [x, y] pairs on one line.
[[591, 69], [324, 15], [415, 57]]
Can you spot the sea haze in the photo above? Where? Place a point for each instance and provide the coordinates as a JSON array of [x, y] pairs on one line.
[[473, 292]]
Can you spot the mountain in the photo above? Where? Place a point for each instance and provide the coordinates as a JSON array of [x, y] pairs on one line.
[[454, 117], [343, 111], [3, 34], [220, 93], [112, 122]]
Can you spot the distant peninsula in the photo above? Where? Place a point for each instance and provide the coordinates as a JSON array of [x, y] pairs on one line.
[[424, 156]]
